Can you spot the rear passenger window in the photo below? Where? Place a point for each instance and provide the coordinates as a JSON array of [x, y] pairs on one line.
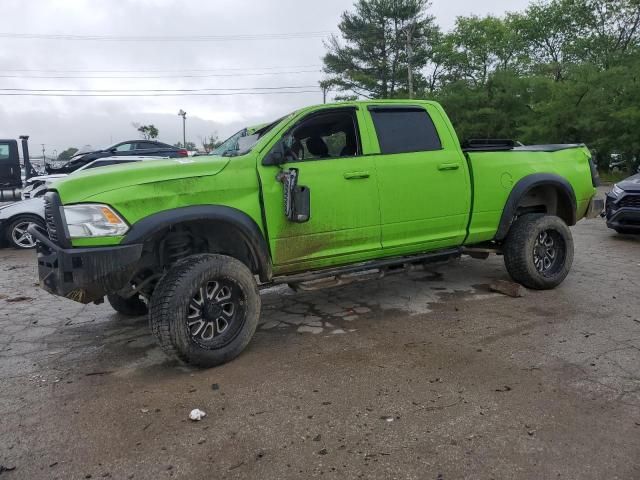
[[402, 130]]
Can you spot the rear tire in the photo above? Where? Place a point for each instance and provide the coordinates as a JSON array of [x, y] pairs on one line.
[[131, 307], [205, 310], [538, 251], [17, 235]]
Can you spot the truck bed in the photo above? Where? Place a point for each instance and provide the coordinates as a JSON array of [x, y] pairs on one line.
[[497, 171]]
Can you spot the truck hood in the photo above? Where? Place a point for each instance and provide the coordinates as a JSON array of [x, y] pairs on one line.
[[631, 184], [79, 187]]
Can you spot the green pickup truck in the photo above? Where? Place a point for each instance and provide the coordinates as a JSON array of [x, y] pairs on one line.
[[328, 190]]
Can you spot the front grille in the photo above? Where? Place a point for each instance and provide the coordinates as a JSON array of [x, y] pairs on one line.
[[52, 229], [630, 201]]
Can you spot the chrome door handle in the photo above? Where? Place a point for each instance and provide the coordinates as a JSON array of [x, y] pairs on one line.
[[356, 175], [449, 166]]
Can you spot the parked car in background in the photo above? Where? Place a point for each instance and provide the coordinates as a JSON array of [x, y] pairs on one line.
[[16, 217], [145, 148], [622, 209], [37, 186]]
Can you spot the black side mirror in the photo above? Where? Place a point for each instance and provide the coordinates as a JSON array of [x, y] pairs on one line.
[[297, 198], [301, 205], [275, 156]]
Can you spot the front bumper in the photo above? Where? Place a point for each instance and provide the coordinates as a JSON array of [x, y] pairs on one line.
[[84, 275], [623, 213]]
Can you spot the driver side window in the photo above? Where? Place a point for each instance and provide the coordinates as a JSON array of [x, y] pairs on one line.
[[125, 147], [324, 135]]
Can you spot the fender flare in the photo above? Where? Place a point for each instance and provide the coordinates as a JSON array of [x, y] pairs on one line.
[[230, 217], [524, 186]]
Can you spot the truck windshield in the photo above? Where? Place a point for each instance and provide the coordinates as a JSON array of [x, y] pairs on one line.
[[231, 146], [241, 143]]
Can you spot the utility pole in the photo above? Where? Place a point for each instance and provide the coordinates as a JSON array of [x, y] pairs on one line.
[[410, 29], [324, 93], [44, 160], [183, 114]]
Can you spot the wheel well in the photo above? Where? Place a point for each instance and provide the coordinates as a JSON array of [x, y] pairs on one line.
[[25, 216], [548, 199], [180, 240], [538, 193]]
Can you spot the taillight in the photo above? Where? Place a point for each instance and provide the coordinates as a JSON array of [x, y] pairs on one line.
[[183, 153]]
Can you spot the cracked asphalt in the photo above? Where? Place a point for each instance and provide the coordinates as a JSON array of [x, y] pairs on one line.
[[425, 375]]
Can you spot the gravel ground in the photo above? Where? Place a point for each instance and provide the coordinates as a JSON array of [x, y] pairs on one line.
[[426, 375]]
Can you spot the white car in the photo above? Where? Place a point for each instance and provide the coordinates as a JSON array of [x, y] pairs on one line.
[[37, 186], [16, 217]]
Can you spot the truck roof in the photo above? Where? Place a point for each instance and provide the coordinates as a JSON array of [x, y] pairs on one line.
[[374, 102]]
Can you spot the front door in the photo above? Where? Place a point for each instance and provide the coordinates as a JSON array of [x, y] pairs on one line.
[[423, 178], [344, 226]]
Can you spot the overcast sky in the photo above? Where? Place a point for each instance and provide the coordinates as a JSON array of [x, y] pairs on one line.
[[247, 63]]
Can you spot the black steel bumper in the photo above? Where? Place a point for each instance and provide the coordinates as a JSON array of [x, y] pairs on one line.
[[84, 274]]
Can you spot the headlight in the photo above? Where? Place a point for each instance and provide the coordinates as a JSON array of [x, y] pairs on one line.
[[616, 191], [93, 220]]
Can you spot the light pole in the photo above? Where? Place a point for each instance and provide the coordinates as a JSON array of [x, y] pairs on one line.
[[183, 114]]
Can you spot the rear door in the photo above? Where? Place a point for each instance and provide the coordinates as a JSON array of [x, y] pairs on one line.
[[147, 148], [423, 179]]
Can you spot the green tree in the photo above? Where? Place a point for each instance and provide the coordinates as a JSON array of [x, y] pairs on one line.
[[612, 30], [211, 142], [380, 39], [67, 154], [551, 31], [482, 46], [147, 132]]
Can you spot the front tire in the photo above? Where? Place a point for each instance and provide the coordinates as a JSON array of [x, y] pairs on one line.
[[205, 310], [17, 234], [131, 307], [538, 251]]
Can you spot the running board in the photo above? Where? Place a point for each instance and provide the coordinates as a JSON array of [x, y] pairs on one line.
[[482, 250], [383, 265]]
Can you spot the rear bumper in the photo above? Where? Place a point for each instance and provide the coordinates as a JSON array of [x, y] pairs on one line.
[[595, 209], [84, 274]]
